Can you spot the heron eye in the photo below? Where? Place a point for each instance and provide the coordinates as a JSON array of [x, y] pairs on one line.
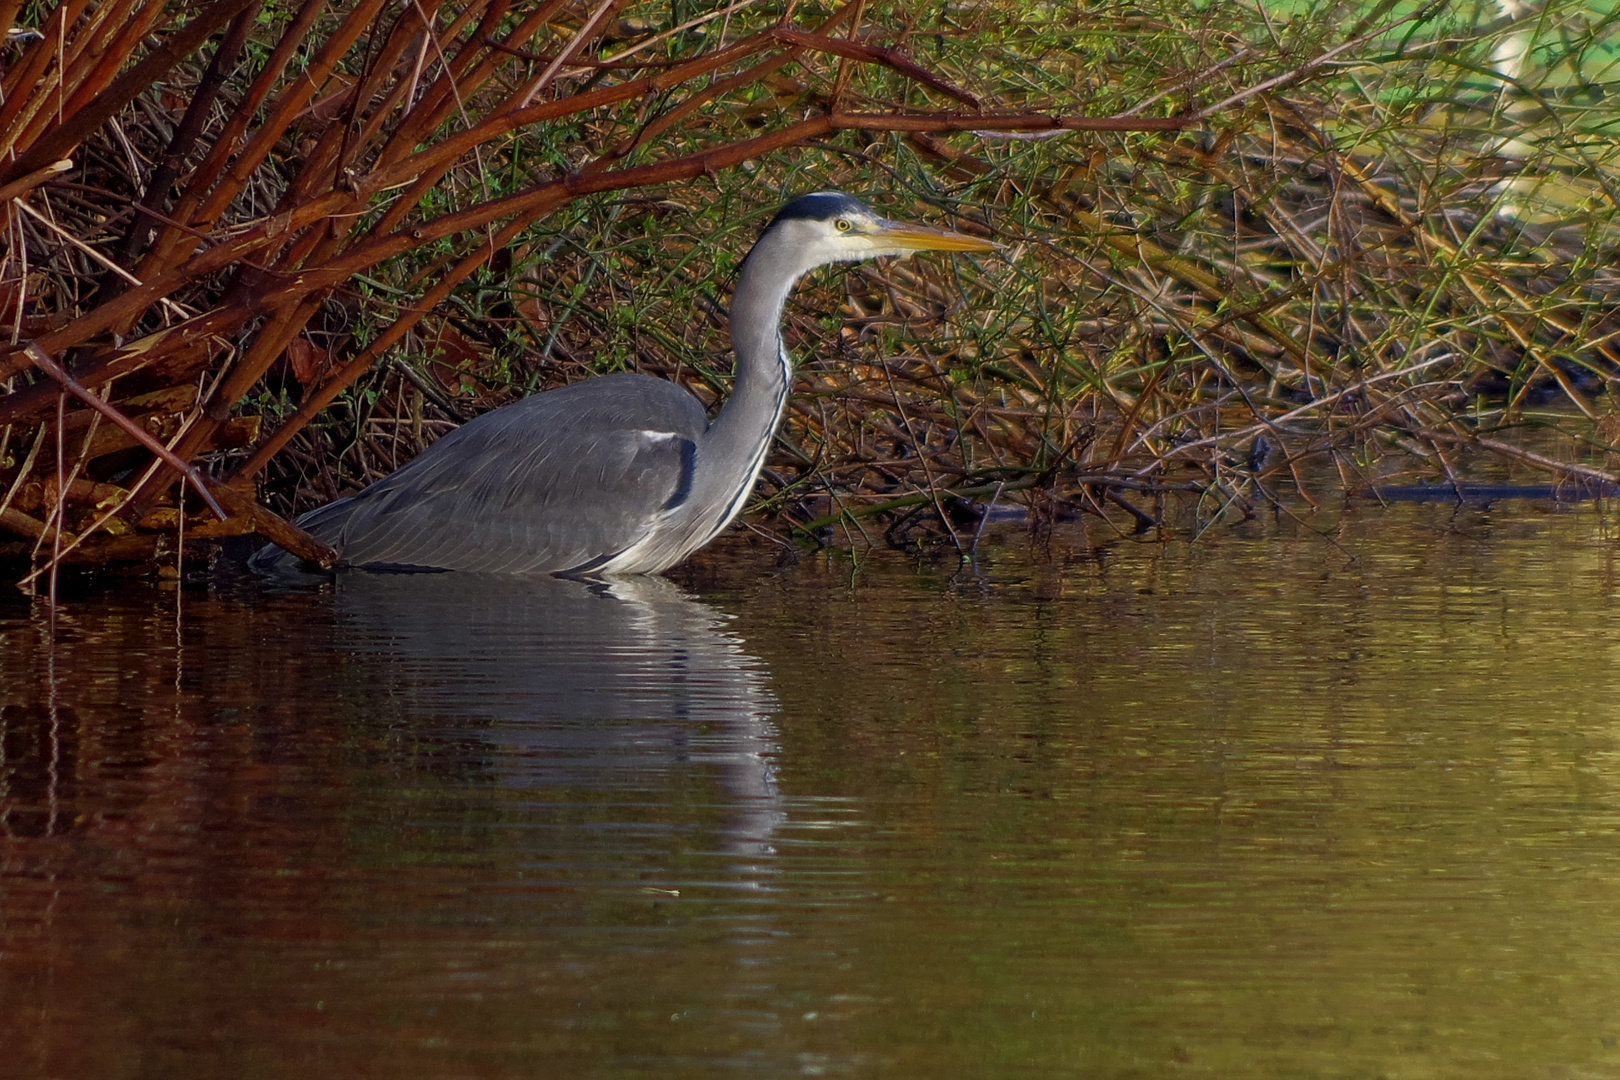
[[843, 225]]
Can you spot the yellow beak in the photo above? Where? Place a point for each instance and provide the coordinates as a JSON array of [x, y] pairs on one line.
[[899, 236]]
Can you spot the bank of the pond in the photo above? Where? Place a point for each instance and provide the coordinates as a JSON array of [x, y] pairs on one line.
[[1266, 243]]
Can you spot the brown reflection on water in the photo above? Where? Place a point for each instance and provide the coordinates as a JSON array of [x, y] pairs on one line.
[[1241, 808]]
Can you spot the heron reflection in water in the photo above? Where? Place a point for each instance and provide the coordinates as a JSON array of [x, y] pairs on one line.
[[621, 474], [583, 689]]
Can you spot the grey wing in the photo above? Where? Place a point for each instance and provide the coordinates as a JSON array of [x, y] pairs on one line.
[[559, 482]]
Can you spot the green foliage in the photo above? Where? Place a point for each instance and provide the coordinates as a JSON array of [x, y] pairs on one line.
[[1410, 243], [1380, 233]]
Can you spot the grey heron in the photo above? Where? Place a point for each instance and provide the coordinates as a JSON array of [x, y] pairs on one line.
[[618, 474]]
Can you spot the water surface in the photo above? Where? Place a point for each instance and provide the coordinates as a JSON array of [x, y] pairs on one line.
[[1265, 805]]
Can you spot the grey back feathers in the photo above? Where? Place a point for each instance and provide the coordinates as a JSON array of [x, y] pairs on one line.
[[616, 474], [501, 493]]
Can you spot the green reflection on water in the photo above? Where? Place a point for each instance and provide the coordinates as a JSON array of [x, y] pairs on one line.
[[1245, 808], [1241, 809]]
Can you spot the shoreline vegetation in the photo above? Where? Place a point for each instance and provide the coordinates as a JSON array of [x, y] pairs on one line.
[[259, 254]]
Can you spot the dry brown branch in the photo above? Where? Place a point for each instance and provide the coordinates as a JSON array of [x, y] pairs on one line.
[[359, 179], [47, 363]]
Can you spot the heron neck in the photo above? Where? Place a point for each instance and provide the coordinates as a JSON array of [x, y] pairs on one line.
[[734, 447]]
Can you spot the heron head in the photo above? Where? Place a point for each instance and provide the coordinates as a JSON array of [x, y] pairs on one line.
[[829, 226]]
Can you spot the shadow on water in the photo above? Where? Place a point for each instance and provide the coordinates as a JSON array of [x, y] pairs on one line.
[[226, 830], [582, 685]]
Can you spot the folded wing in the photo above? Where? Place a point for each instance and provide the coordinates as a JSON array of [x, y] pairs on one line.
[[559, 482]]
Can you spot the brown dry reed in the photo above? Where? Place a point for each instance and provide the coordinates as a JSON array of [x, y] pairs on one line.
[[257, 255]]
